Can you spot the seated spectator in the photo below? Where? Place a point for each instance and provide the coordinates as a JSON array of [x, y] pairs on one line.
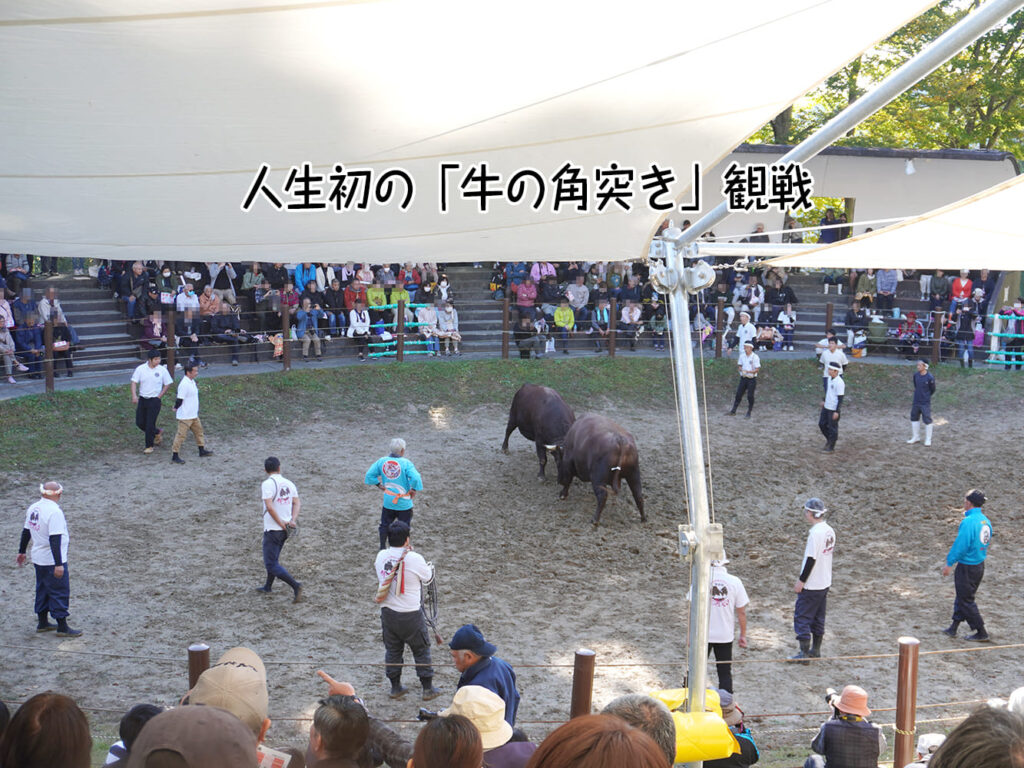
[[528, 340], [526, 297], [722, 292], [599, 292], [786, 320], [23, 306], [515, 273], [549, 295], [133, 291], [209, 305], [154, 336], [410, 278], [194, 737], [579, 297], [355, 291], [334, 306], [226, 329], [305, 273], [399, 294], [778, 296], [632, 290], [47, 730], [565, 323], [615, 281], [50, 309], [448, 328], [886, 282], [650, 716], [7, 348], [570, 272], [444, 289], [266, 303], [386, 276], [486, 710], [631, 323], [656, 321], [498, 284], [866, 287], [313, 293], [600, 324], [187, 328], [909, 335], [252, 280], [365, 275], [339, 732], [306, 319], [448, 742], [766, 338], [28, 343], [288, 301], [834, 277], [595, 741], [927, 744], [750, 295], [426, 293], [733, 716], [426, 317], [277, 275], [187, 299], [376, 298], [789, 235], [960, 289], [542, 270], [856, 321], [848, 736], [359, 327], [128, 730], [17, 272], [990, 737], [221, 276]]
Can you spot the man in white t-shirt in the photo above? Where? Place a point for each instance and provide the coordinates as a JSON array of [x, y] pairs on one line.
[[280, 516], [828, 419], [748, 364], [149, 383], [813, 584], [47, 530], [728, 602], [832, 353], [401, 574], [746, 330], [186, 408]]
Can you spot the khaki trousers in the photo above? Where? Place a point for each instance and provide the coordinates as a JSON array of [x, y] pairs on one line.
[[184, 426]]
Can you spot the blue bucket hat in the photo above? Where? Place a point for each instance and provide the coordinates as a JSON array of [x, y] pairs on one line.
[[469, 638]]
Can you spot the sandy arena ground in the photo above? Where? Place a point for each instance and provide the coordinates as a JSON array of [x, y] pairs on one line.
[[163, 556]]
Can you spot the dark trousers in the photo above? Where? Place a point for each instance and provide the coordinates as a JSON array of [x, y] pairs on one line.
[[400, 630], [273, 541], [919, 412], [809, 614], [829, 427], [723, 659], [52, 594], [146, 411], [748, 386], [967, 579], [387, 517]]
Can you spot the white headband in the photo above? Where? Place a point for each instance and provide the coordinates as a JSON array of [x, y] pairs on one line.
[[44, 492]]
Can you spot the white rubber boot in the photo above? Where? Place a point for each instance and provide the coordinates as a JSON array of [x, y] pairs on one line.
[[915, 427], [928, 434]]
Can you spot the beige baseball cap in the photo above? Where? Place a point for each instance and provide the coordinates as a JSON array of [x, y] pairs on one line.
[[238, 684]]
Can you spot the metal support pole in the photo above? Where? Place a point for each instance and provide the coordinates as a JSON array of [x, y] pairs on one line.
[[906, 700], [504, 329], [400, 331], [286, 333], [582, 682], [48, 355], [719, 312], [829, 310], [612, 325], [198, 662], [943, 48]]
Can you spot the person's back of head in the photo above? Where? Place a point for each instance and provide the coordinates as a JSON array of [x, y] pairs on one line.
[[340, 726], [990, 737], [448, 742], [398, 534], [133, 721], [650, 716], [597, 741], [47, 730]]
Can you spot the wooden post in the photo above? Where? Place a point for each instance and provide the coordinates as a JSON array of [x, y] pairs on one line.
[[400, 331], [172, 348], [937, 337], [582, 682], [198, 662], [286, 332], [612, 325], [829, 309], [504, 329], [719, 313], [48, 355], [906, 700]]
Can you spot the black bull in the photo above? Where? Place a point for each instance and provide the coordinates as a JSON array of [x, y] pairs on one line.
[[541, 415], [599, 450]]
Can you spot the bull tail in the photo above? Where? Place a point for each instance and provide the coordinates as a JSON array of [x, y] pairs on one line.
[[616, 478]]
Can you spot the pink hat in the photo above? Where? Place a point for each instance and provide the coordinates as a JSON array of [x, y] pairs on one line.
[[854, 700]]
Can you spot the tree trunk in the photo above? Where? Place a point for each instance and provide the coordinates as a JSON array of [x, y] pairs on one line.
[[782, 124]]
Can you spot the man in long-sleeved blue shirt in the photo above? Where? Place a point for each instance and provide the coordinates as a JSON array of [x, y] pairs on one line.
[[474, 658], [968, 554]]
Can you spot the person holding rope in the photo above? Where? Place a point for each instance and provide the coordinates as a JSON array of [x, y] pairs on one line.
[[814, 582], [968, 555], [401, 576], [398, 478], [47, 529], [280, 517]]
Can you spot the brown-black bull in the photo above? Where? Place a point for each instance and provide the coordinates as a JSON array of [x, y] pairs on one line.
[[599, 450], [541, 415]]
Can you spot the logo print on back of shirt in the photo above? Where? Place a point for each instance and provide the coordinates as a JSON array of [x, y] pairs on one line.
[[985, 535], [830, 544], [391, 469], [719, 595]]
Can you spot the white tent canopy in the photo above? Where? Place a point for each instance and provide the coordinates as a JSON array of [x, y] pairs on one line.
[[135, 129], [985, 230]]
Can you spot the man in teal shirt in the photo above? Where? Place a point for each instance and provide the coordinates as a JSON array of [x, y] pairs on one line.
[[397, 477], [968, 555]]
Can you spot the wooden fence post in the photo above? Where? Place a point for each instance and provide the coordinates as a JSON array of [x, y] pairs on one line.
[[172, 347], [937, 337], [719, 313], [906, 700], [400, 331], [504, 329], [48, 355], [198, 662], [286, 333], [582, 682], [612, 325]]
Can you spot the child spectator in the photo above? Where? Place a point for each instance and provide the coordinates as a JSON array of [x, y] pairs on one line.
[[565, 323], [448, 328], [787, 326]]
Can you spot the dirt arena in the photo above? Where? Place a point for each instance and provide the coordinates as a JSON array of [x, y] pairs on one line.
[[162, 556]]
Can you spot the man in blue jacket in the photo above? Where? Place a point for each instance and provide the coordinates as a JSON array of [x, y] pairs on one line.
[[968, 554], [398, 478], [474, 658]]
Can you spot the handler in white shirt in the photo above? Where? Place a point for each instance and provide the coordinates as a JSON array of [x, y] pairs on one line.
[[187, 410], [748, 364], [728, 603]]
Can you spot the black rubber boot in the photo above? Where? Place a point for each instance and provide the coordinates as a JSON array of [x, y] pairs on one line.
[[816, 646], [204, 452], [44, 624], [804, 654], [429, 691], [397, 690], [951, 629]]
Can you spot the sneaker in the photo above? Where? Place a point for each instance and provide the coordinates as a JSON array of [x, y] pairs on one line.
[[234, 362], [159, 438], [69, 632], [565, 351], [11, 380], [148, 450], [979, 637], [22, 368]]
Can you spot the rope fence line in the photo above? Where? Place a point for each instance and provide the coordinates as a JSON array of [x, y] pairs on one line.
[[951, 718]]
